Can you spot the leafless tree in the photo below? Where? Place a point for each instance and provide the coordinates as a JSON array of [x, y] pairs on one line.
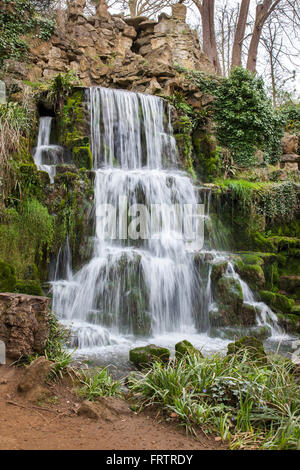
[[280, 44]]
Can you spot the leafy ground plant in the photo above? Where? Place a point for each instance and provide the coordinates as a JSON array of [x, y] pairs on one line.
[[100, 384], [250, 404], [56, 348]]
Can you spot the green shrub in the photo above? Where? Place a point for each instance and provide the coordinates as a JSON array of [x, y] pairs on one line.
[[246, 120], [26, 236]]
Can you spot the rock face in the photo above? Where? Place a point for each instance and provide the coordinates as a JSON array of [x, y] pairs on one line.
[[24, 326], [289, 143], [137, 54], [290, 159]]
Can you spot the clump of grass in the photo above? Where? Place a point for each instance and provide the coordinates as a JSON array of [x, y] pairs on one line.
[[16, 124], [100, 384], [56, 348], [250, 404]]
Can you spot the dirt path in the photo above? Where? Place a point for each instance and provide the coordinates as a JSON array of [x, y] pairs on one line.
[[55, 424]]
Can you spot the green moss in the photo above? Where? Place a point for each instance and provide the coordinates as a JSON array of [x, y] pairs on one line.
[[252, 274], [277, 302], [73, 130], [218, 270], [206, 154], [262, 243], [184, 348], [31, 272], [28, 287], [290, 323], [83, 157], [229, 292], [251, 258], [253, 345], [7, 277], [68, 179], [144, 356]]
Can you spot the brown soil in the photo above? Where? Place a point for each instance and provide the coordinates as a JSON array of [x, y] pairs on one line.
[[54, 424]]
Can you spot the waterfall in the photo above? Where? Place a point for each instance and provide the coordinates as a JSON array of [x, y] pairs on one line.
[[47, 156], [144, 286]]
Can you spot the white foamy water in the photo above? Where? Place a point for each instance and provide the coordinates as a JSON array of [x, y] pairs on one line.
[[132, 292], [47, 156]]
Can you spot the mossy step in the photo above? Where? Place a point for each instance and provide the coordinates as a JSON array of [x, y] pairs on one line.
[[277, 302], [296, 310]]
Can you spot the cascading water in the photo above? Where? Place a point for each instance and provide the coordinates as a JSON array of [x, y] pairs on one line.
[[144, 287], [47, 156]]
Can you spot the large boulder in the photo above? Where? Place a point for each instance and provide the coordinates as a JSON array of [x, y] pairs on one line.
[[145, 355], [24, 326]]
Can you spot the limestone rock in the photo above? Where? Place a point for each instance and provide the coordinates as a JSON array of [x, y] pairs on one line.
[[104, 408], [290, 161], [33, 381], [289, 143], [99, 49], [24, 326]]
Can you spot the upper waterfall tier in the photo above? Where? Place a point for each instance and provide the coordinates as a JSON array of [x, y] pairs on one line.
[[131, 130], [47, 156]]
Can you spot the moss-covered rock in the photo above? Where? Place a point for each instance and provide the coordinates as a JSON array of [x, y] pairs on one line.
[[252, 274], [254, 347], [290, 323], [73, 129], [185, 348], [206, 153], [83, 157], [229, 292], [28, 287], [260, 332], [7, 277], [218, 270], [248, 315], [68, 179], [277, 302], [144, 356], [251, 258]]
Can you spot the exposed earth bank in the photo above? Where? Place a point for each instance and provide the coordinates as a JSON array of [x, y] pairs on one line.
[[53, 423]]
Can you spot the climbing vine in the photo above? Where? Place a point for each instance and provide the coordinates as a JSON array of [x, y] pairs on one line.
[[18, 18]]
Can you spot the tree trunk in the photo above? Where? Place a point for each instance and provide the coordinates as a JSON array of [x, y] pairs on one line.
[[236, 59], [263, 11], [209, 38], [133, 8]]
